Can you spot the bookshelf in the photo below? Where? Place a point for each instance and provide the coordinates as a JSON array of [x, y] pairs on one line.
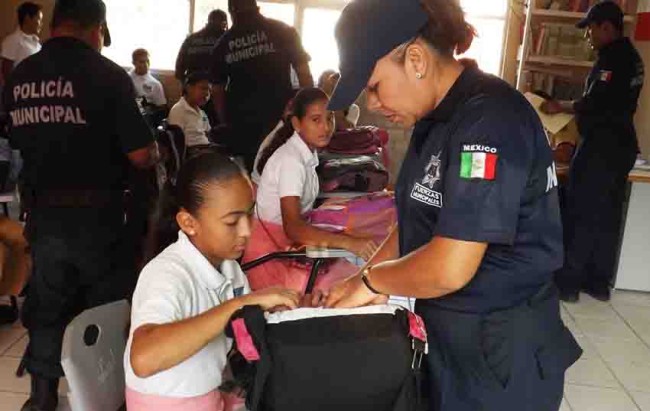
[[553, 51], [568, 15]]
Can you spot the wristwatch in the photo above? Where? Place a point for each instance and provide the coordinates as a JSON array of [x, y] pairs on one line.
[[364, 277]]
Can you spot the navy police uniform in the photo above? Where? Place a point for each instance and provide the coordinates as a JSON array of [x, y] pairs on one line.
[[596, 189], [74, 118], [195, 55], [479, 168], [253, 60]]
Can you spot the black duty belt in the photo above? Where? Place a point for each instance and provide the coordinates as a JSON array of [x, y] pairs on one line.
[[72, 198]]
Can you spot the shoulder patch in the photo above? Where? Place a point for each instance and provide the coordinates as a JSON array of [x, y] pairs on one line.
[[478, 161], [605, 75]]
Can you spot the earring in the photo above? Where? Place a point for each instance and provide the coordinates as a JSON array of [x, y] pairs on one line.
[[418, 76]]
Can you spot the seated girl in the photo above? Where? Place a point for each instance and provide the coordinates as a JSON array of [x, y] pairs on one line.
[[176, 352], [187, 113], [286, 194]]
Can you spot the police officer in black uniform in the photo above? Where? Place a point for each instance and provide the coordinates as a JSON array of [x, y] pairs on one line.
[[76, 123], [479, 232], [254, 59], [597, 181], [196, 51]]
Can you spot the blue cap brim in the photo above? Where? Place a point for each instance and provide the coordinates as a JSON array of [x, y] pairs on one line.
[[583, 23], [349, 88]]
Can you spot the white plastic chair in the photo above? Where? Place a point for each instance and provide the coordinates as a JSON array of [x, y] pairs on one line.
[[92, 354]]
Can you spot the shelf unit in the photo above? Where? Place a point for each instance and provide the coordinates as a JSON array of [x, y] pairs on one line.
[[531, 62], [568, 15]]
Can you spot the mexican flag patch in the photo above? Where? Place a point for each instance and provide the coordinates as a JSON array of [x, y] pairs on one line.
[[605, 75], [478, 162]]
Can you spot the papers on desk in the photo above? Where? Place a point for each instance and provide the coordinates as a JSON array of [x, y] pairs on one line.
[[553, 123], [642, 164]]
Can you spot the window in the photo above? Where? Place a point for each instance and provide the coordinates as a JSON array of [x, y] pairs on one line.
[[161, 30], [143, 23], [489, 19], [319, 41], [279, 11]]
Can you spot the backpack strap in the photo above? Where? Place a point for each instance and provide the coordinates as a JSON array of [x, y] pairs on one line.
[[248, 328]]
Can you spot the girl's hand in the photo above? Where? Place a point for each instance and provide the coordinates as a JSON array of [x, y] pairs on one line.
[[314, 300], [271, 298], [362, 247]]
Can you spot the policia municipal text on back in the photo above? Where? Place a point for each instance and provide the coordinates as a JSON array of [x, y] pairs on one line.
[[75, 121]]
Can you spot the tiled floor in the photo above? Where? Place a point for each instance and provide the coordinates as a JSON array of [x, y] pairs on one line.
[[612, 375]]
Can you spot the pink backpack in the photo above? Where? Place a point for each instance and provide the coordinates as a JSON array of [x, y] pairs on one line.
[[369, 215]]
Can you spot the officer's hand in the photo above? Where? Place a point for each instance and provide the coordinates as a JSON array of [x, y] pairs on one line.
[[352, 293], [362, 247], [551, 107]]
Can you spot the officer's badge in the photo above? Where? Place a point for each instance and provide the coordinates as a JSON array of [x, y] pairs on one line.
[[432, 171], [605, 75]]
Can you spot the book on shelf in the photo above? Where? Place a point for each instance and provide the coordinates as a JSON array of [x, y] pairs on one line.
[[561, 40], [577, 6]]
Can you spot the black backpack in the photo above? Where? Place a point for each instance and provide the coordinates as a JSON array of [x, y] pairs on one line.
[[364, 359]]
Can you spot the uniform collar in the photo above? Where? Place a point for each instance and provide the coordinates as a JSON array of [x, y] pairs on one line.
[[308, 157], [32, 37], [187, 106], [211, 277], [613, 46], [457, 94], [67, 42]]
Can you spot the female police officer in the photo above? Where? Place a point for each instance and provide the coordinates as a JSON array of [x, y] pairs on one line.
[[479, 227]]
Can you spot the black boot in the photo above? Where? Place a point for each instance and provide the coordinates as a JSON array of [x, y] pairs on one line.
[[44, 395]]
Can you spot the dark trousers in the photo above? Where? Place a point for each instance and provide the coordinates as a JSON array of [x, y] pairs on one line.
[[511, 360], [593, 215], [77, 264]]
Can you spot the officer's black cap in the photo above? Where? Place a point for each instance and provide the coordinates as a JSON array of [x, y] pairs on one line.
[[367, 31], [602, 12], [84, 12]]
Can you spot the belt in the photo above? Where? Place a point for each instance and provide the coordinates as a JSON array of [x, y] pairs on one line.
[[72, 198]]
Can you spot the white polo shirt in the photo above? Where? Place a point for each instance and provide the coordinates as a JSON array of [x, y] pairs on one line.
[[193, 121], [149, 87], [290, 172], [18, 46], [178, 284]]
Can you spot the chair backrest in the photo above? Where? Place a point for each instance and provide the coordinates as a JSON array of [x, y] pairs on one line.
[[171, 142], [92, 357]]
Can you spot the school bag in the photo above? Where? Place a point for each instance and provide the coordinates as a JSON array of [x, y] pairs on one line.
[[363, 359], [358, 173]]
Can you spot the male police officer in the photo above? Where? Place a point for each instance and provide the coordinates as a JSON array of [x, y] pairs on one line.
[[196, 51], [254, 59], [606, 155], [75, 120]]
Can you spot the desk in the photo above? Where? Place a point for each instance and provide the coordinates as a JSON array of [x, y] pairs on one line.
[[634, 261]]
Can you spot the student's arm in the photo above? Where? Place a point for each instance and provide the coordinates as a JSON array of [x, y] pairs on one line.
[[159, 347], [300, 232], [135, 137], [304, 75]]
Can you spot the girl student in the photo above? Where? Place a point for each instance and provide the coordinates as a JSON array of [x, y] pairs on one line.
[[286, 194], [176, 352]]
